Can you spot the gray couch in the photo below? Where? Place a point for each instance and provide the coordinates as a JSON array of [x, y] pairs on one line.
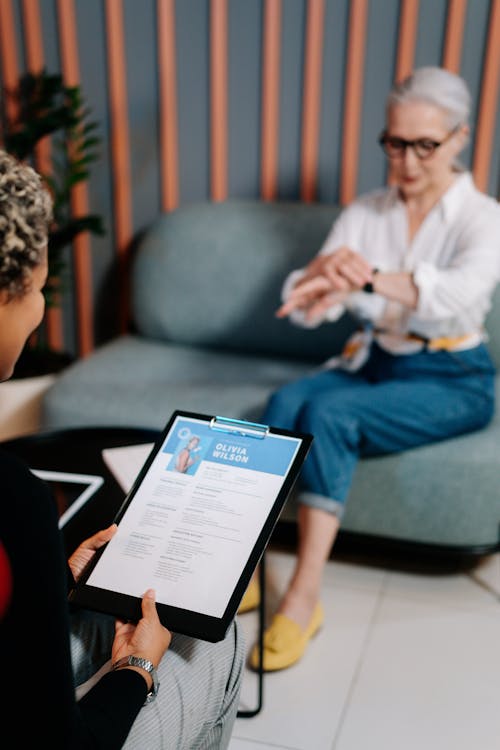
[[205, 284]]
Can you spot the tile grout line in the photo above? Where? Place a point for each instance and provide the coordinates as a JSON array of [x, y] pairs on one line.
[[364, 648], [483, 584]]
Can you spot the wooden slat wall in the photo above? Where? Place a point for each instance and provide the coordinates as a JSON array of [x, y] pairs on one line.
[[120, 149], [218, 96], [408, 26], [311, 107], [270, 98], [454, 35], [35, 63], [273, 35], [168, 105], [79, 194], [9, 56], [489, 100], [353, 99]]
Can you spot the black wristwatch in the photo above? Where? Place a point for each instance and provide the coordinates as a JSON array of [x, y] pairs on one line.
[[368, 287], [137, 661]]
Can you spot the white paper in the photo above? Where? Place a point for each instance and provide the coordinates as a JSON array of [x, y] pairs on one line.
[[126, 462], [190, 529]]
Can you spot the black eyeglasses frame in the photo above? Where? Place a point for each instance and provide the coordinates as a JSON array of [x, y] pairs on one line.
[[404, 144]]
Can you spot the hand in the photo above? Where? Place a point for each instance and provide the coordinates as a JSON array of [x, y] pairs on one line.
[[313, 298], [327, 281], [147, 639], [345, 269], [87, 549]]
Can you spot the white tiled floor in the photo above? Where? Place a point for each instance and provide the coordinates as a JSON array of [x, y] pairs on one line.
[[407, 659]]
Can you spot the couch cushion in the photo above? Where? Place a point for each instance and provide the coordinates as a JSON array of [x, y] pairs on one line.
[[134, 381], [211, 274]]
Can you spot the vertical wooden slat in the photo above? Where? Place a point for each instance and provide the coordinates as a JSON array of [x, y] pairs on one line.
[[79, 194], [488, 103], [311, 107], [454, 35], [168, 105], [353, 99], [35, 62], [8, 51], [218, 97], [408, 25], [120, 147], [270, 98]]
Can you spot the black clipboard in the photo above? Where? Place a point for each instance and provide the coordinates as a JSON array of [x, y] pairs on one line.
[[195, 523]]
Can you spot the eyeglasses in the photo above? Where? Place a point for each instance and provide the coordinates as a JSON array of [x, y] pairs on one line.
[[423, 148]]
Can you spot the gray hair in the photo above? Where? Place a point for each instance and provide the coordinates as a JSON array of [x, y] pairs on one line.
[[25, 216], [436, 86]]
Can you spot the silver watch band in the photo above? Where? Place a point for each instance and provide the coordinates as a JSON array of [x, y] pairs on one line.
[[138, 661]]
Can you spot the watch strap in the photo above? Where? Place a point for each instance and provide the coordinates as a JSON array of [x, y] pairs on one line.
[[147, 665], [368, 287]]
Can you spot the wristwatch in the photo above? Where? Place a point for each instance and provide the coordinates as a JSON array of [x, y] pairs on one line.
[[368, 287], [137, 661]]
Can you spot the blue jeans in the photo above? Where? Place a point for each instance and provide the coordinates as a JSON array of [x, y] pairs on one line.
[[394, 402]]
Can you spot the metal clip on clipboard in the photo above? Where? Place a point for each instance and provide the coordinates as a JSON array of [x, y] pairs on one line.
[[239, 427], [258, 431]]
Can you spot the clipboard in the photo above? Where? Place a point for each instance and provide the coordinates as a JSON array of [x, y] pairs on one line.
[[195, 523]]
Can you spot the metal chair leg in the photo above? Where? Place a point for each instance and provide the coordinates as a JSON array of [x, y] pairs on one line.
[[247, 714]]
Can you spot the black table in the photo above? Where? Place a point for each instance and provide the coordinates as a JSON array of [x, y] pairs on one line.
[[79, 451]]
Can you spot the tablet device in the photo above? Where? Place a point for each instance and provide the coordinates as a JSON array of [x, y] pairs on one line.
[[195, 523], [71, 491]]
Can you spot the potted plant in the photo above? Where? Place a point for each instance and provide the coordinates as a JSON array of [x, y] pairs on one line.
[[48, 108]]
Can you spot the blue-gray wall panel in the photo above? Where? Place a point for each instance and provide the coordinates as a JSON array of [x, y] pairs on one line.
[[292, 58], [192, 32], [430, 37], [142, 83], [244, 98], [334, 54], [380, 55]]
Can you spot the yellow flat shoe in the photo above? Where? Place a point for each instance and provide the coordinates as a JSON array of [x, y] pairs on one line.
[[285, 641], [251, 597]]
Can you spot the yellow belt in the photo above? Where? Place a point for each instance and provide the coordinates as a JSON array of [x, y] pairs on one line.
[[446, 343]]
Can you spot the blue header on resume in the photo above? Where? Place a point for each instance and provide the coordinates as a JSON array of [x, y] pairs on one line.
[[271, 455]]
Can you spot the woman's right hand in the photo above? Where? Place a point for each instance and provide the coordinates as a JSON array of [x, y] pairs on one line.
[[148, 638]]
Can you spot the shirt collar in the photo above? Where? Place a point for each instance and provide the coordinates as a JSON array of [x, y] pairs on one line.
[[450, 203]]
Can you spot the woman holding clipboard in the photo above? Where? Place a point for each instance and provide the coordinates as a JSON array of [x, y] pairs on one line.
[[145, 688]]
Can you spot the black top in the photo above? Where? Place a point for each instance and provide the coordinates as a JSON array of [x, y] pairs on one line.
[[35, 659]]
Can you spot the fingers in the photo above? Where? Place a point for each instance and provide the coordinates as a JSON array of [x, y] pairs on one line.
[[100, 538], [317, 310], [148, 605], [346, 267], [338, 273], [304, 294]]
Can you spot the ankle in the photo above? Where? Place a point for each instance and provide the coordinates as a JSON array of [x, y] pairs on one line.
[[299, 606]]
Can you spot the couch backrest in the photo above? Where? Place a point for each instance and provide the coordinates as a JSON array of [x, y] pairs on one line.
[[493, 328], [210, 274]]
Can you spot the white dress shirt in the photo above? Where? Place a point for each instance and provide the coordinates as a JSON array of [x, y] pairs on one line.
[[454, 258]]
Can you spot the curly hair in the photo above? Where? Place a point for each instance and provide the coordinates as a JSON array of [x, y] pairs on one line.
[[25, 216]]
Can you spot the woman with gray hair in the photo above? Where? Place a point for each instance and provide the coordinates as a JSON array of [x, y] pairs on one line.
[[416, 263]]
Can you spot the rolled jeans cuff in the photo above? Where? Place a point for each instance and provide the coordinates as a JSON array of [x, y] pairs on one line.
[[322, 502]]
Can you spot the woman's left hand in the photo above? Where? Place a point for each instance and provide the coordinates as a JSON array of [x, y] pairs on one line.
[[87, 549]]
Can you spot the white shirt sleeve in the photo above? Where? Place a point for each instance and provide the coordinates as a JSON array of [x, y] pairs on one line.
[[336, 237], [471, 276]]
